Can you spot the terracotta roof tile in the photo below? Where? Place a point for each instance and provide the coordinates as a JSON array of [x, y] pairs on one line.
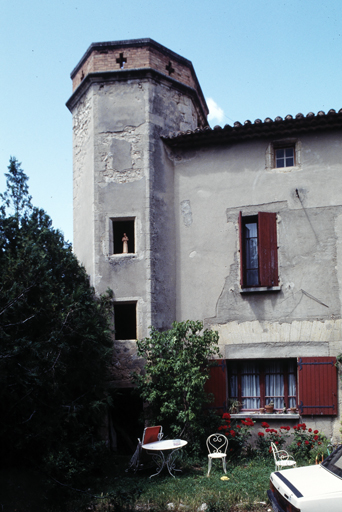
[[259, 129]]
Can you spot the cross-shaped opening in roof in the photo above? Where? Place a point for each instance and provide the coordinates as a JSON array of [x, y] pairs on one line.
[[169, 68], [121, 60]]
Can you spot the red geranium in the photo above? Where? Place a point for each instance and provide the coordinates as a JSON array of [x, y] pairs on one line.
[[261, 434], [226, 416], [315, 431], [264, 424], [306, 442]]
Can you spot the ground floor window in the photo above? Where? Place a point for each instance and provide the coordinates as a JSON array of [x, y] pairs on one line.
[[308, 383], [255, 383]]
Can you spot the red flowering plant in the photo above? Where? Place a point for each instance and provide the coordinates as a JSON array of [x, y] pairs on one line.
[[237, 432], [271, 435], [308, 443]]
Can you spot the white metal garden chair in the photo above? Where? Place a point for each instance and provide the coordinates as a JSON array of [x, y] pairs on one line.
[[282, 459], [217, 445]]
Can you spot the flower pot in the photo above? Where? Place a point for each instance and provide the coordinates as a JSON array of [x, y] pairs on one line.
[[261, 410], [269, 409], [293, 410]]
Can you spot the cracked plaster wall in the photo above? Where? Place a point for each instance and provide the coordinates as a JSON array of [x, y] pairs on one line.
[[214, 184]]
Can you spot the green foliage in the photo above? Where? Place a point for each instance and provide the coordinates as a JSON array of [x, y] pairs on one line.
[[271, 435], [55, 341], [177, 366], [308, 443], [237, 433], [16, 197]]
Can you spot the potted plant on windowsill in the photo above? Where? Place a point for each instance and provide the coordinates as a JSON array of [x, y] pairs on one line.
[[234, 406], [269, 408]]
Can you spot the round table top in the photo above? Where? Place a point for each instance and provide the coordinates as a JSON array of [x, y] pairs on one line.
[[166, 444]]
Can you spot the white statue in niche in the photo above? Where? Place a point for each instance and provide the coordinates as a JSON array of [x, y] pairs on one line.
[[125, 244]]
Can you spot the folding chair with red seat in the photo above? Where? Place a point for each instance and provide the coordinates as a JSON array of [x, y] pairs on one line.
[[150, 435]]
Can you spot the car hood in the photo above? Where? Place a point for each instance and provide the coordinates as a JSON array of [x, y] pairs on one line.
[[309, 481]]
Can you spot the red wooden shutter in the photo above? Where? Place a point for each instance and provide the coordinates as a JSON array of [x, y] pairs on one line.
[[241, 250], [317, 386], [217, 385], [267, 249]]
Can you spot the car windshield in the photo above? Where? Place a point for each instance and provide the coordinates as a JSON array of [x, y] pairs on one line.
[[333, 463]]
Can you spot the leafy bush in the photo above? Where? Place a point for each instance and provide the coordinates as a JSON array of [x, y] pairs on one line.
[[271, 435], [237, 433], [308, 443], [177, 365]]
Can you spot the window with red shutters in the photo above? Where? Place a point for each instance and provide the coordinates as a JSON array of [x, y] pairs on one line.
[[258, 250], [217, 385], [317, 386]]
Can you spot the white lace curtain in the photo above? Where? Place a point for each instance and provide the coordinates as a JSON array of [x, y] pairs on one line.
[[274, 385]]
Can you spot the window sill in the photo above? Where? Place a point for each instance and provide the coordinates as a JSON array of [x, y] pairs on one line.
[[264, 416], [123, 255], [261, 289]]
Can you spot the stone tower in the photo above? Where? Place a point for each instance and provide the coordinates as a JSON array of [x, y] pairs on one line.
[[126, 94]]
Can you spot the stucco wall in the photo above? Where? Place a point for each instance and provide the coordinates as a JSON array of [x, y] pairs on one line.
[[216, 184]]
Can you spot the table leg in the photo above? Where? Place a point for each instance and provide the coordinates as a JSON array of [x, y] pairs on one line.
[[159, 459], [171, 462]]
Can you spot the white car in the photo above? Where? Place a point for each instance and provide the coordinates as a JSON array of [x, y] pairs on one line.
[[309, 489]]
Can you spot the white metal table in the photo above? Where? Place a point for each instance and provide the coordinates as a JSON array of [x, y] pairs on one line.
[[157, 450]]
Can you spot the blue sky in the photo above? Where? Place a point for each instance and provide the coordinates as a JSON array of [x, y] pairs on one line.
[[253, 58]]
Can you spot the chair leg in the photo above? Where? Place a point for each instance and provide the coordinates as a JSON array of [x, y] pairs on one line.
[[209, 465], [224, 464]]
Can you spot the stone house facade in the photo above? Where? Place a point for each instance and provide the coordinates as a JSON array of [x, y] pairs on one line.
[[240, 227]]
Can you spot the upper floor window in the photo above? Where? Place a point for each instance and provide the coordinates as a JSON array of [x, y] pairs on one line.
[[258, 250], [123, 236], [284, 154], [285, 157]]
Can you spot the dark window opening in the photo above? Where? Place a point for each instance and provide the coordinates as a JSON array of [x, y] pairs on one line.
[[125, 321], [259, 251], [250, 235], [123, 236], [284, 157], [256, 383]]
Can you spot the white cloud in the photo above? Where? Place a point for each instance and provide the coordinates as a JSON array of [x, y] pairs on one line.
[[215, 112]]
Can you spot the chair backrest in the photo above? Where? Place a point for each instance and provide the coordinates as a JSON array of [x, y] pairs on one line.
[[275, 452], [152, 434], [217, 443]]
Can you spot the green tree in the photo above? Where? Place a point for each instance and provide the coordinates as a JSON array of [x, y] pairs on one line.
[[177, 365], [55, 342], [16, 197]]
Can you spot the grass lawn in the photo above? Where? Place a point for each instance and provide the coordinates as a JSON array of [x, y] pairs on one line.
[[118, 491], [190, 490]]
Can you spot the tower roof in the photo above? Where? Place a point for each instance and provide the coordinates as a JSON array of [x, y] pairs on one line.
[[127, 56]]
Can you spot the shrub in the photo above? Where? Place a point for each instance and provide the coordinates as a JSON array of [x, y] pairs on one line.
[[308, 443], [237, 432], [271, 435], [177, 364]]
